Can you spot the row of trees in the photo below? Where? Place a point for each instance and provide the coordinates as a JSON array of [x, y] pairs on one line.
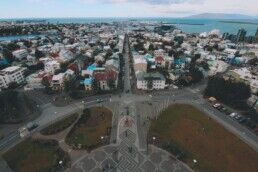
[[9, 105], [229, 91]]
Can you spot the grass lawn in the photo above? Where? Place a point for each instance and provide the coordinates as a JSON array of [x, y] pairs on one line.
[[36, 155], [86, 133], [203, 139], [60, 125]]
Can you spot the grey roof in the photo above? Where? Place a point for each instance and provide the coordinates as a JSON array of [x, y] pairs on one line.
[[145, 76]]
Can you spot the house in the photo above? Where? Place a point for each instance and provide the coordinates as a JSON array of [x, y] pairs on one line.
[[140, 64], [88, 83], [112, 64], [150, 81], [158, 53], [13, 74], [52, 66], [104, 77], [20, 54], [66, 55], [159, 60], [58, 80], [34, 81]]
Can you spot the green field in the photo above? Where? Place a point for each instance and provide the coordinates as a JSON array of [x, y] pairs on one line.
[[190, 134], [87, 132], [36, 156], [60, 125]]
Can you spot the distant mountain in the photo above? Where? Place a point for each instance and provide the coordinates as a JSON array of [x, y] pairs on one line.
[[220, 16]]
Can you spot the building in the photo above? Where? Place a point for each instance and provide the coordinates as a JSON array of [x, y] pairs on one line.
[[58, 80], [34, 81], [88, 84], [13, 74], [51, 67], [20, 54], [103, 77], [140, 64], [150, 81], [241, 35], [66, 55]]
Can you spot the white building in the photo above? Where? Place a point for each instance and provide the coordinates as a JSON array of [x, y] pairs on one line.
[[10, 75], [159, 53], [51, 67], [140, 64], [34, 81], [247, 76], [66, 55], [20, 54], [58, 80], [150, 81]]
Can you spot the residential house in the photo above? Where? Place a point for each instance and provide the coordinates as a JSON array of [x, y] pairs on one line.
[[52, 66]]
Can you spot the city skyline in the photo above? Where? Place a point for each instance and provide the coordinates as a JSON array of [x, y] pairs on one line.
[[122, 8]]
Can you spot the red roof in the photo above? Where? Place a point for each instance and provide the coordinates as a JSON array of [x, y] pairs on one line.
[[73, 67], [159, 59], [105, 75]]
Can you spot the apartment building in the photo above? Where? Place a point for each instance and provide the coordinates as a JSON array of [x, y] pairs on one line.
[[13, 74]]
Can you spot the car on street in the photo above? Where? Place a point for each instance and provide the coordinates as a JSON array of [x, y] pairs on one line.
[[232, 115], [217, 105], [31, 126], [100, 100]]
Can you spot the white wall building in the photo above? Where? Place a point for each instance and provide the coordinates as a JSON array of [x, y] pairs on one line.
[[157, 81], [20, 54], [51, 67], [11, 74]]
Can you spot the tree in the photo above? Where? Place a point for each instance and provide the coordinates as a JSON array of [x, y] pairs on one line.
[[149, 83], [151, 47], [111, 84], [196, 75], [228, 91], [69, 85], [38, 54], [8, 55], [96, 86], [9, 106]]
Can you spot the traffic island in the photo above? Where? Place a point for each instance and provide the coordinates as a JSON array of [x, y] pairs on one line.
[[92, 130]]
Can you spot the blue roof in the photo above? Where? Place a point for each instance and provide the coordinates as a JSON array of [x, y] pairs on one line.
[[178, 61], [88, 81], [148, 56], [91, 67], [3, 62]]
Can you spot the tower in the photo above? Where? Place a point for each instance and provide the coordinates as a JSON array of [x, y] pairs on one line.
[[241, 35]]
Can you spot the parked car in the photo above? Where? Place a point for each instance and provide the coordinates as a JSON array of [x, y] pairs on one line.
[[216, 105], [242, 120], [31, 126], [232, 115], [223, 109], [250, 124], [237, 117], [99, 100]]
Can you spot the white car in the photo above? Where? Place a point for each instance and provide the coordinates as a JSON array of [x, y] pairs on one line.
[[232, 115], [216, 105], [23, 131]]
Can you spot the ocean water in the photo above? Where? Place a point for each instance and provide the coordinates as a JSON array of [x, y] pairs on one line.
[[187, 25]]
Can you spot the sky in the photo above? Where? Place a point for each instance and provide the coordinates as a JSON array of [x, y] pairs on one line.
[[122, 8]]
